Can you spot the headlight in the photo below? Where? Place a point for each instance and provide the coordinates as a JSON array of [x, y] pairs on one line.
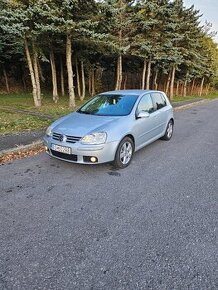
[[94, 138], [48, 132]]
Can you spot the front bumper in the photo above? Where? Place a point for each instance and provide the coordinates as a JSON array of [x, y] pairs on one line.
[[81, 153]]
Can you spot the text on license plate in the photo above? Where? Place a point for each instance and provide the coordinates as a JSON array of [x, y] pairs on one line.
[[61, 149]]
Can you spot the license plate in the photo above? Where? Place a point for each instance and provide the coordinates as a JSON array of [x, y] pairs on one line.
[[62, 149]]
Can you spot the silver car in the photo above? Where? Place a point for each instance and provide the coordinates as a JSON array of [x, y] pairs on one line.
[[111, 127]]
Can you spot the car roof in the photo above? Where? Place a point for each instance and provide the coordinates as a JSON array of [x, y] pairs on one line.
[[129, 92]]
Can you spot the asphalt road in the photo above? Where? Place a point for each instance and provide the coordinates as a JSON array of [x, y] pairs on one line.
[[152, 225], [16, 139]]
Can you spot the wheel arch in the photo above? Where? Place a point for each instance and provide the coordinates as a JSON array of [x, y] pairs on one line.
[[131, 137], [172, 119]]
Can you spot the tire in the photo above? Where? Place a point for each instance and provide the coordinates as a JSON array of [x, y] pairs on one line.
[[169, 131], [124, 153]]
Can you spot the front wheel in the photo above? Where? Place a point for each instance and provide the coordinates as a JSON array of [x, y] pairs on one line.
[[169, 131], [124, 153]]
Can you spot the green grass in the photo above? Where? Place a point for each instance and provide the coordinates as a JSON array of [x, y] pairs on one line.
[[11, 122], [180, 99], [16, 122], [211, 96], [25, 101]]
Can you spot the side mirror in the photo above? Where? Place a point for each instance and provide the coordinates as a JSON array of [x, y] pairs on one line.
[[142, 114]]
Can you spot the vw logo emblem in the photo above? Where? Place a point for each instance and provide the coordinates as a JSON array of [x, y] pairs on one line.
[[61, 138]]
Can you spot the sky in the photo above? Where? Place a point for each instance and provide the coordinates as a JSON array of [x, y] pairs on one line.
[[209, 9]]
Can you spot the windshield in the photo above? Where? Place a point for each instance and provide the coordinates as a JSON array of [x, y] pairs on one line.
[[109, 105]]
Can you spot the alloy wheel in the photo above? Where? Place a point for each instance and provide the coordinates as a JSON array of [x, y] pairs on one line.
[[126, 152]]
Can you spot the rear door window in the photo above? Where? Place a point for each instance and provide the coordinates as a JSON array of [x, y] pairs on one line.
[[158, 100]]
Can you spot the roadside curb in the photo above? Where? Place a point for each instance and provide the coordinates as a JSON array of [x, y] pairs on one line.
[[22, 148], [190, 105]]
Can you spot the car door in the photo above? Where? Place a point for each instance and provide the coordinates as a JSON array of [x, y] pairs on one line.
[[145, 128], [161, 109]]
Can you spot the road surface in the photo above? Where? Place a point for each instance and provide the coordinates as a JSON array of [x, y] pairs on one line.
[[152, 225]]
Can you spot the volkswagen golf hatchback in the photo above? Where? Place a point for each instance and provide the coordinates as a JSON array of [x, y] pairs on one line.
[[111, 127]]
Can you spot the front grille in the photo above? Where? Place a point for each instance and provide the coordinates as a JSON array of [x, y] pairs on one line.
[[70, 157], [72, 139], [56, 136], [69, 139]]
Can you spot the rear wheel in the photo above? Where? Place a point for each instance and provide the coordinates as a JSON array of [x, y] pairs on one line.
[[169, 131], [124, 153]]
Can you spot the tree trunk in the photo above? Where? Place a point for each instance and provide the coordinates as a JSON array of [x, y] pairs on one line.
[[36, 73], [32, 75], [155, 86], [78, 80], [119, 73], [168, 82], [83, 81], [143, 74], [181, 88], [70, 71], [207, 89], [201, 87], [119, 60], [24, 83], [62, 77], [117, 78], [148, 75], [125, 81], [90, 80], [54, 76], [93, 82], [185, 85], [177, 88], [41, 73], [6, 80], [172, 82], [185, 88], [161, 85], [192, 87]]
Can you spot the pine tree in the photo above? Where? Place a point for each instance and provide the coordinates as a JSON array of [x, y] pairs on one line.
[[148, 38], [119, 24], [71, 18], [17, 21]]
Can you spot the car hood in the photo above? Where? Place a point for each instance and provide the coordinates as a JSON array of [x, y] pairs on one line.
[[77, 124]]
